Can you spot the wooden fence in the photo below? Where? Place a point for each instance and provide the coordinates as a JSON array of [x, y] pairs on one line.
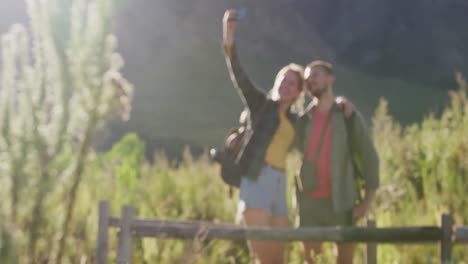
[[446, 234]]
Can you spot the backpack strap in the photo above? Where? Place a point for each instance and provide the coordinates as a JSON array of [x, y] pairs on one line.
[[253, 124], [322, 135]]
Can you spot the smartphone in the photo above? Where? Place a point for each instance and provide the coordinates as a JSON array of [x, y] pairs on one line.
[[241, 13]]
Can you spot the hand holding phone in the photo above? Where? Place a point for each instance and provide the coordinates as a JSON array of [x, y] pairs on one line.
[[229, 27], [241, 13]]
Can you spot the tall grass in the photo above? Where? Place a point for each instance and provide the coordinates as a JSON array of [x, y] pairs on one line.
[[423, 171], [424, 174]]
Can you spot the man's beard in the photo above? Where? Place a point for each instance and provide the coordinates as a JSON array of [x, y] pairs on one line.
[[318, 92]]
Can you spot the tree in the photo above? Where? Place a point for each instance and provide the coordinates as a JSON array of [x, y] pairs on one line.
[[60, 81]]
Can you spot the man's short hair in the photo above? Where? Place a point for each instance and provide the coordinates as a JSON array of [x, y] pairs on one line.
[[325, 65]]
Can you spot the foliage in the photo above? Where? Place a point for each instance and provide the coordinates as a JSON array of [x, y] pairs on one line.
[[59, 81], [424, 173], [423, 170]]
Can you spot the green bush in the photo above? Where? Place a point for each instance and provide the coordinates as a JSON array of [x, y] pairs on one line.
[[424, 174]]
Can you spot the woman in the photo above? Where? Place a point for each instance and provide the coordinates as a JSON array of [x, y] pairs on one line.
[[262, 159]]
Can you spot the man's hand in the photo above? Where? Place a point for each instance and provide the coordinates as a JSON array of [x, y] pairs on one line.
[[361, 210], [345, 105], [229, 27]]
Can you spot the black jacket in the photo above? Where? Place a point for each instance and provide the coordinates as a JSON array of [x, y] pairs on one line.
[[252, 156]]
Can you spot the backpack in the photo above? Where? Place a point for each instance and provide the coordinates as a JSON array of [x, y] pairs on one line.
[[234, 141]]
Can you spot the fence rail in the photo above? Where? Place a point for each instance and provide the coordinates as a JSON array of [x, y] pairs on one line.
[[130, 226]]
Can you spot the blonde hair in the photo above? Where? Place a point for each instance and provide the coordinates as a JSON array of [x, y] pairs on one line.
[[297, 69]]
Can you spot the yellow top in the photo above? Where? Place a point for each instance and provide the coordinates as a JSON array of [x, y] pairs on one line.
[[279, 146]]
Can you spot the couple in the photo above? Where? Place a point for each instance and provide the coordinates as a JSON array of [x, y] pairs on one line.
[[329, 135]]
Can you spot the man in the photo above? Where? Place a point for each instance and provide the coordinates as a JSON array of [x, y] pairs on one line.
[[336, 150]]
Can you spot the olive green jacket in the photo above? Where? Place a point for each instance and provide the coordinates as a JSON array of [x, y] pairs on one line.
[[344, 174]]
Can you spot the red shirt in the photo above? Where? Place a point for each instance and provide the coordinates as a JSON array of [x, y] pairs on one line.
[[324, 184]]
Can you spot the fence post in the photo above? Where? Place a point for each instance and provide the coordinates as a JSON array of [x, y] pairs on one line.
[[124, 252], [102, 246], [371, 247], [446, 242]]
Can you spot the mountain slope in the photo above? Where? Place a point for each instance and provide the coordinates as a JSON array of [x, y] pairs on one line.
[[173, 54], [404, 51]]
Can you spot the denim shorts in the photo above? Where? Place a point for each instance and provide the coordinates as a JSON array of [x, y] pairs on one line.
[[267, 192]]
